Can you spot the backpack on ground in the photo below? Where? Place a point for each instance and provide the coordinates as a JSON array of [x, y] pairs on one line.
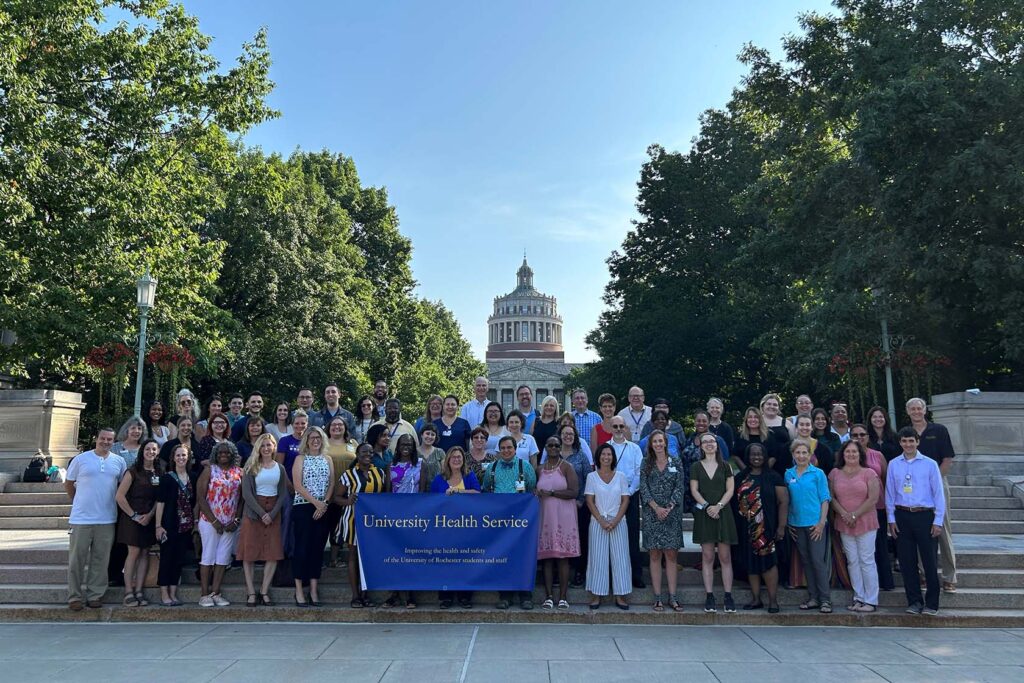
[[36, 472]]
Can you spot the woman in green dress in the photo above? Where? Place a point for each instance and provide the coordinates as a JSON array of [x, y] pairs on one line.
[[661, 491], [711, 485]]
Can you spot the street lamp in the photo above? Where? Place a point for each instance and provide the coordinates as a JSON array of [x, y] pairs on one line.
[[878, 293], [146, 289]]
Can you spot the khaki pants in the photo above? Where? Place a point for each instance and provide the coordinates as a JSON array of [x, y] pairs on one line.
[[88, 552], [947, 554]]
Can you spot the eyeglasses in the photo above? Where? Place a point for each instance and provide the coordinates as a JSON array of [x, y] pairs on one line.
[[478, 437], [618, 426], [859, 435]]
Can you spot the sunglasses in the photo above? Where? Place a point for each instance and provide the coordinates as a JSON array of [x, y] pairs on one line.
[[618, 426]]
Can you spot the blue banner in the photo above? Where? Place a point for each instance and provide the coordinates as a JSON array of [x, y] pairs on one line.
[[432, 541]]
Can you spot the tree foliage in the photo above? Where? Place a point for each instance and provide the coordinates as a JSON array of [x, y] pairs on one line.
[[886, 153], [120, 150]]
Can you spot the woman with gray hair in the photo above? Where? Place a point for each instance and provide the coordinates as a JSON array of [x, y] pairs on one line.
[[132, 433], [217, 493]]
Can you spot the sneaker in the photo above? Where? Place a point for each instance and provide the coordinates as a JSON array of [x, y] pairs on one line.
[[931, 612], [914, 609], [730, 606], [206, 601], [219, 600], [709, 604]]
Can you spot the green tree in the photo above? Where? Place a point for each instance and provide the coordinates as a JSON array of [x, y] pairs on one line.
[[112, 138]]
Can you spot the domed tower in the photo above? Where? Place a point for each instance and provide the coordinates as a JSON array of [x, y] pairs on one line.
[[525, 323]]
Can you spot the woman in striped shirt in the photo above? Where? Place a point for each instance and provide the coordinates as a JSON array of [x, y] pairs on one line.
[[362, 477]]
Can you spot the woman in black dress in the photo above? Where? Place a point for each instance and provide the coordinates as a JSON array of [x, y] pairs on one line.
[[761, 506], [136, 498]]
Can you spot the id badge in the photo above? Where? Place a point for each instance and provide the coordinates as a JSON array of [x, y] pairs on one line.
[[520, 486], [672, 470], [907, 488]]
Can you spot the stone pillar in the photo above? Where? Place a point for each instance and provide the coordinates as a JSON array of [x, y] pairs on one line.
[[38, 420], [987, 429]]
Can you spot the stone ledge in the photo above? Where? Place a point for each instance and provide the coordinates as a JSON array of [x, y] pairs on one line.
[[608, 614]]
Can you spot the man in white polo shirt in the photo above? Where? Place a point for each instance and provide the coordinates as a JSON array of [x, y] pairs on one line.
[[473, 411], [91, 483]]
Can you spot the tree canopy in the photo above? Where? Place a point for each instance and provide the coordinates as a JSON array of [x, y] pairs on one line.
[[120, 149], [876, 170]]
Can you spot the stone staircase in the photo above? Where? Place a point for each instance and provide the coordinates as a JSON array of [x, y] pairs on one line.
[[989, 535]]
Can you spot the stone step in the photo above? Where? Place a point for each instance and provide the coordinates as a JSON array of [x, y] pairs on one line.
[[690, 596], [981, 503], [33, 556], [33, 522], [969, 480], [34, 573], [34, 498], [973, 491], [35, 510], [990, 561], [987, 515], [969, 527], [987, 578], [639, 614], [21, 487]]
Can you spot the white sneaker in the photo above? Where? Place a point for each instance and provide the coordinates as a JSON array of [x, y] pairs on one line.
[[206, 601], [219, 600]]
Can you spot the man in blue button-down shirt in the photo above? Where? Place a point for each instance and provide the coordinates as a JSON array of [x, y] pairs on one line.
[[915, 508]]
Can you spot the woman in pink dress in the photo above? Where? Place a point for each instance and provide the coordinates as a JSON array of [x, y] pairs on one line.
[[557, 486]]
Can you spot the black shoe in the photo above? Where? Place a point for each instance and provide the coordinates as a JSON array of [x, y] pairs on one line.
[[577, 581], [915, 609], [466, 604], [639, 583], [709, 604], [446, 604], [730, 606]]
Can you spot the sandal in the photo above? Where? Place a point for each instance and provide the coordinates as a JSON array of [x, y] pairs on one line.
[[826, 608], [265, 599], [810, 604], [130, 600], [948, 587], [251, 600], [674, 604], [658, 606], [548, 604], [854, 606], [368, 602], [168, 603], [753, 605], [622, 605], [563, 604], [392, 601], [502, 604], [141, 597], [410, 604], [356, 604]]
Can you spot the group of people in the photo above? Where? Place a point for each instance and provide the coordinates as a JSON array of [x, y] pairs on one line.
[[803, 500]]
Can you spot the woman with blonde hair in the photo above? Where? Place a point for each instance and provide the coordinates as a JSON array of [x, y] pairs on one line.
[[313, 477], [546, 423], [265, 493]]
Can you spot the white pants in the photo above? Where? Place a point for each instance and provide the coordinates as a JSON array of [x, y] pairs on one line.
[[609, 550], [860, 559], [217, 548]]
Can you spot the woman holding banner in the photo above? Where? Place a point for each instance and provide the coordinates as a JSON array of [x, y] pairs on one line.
[[456, 477], [362, 477]]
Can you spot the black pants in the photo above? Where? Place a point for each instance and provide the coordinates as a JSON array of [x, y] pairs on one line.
[[172, 557], [510, 596], [882, 561], [633, 533], [453, 596], [583, 528], [115, 564], [310, 538], [914, 537]]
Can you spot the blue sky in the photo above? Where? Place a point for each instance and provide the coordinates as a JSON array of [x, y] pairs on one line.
[[499, 126]]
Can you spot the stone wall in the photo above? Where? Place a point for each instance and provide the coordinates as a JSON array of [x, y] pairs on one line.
[[38, 420], [987, 429]]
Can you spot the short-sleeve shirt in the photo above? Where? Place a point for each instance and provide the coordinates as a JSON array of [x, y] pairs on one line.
[[607, 497], [289, 445], [96, 480], [455, 435], [851, 492], [806, 494]]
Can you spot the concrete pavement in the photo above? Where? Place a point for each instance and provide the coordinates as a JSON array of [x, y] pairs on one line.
[[280, 652]]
